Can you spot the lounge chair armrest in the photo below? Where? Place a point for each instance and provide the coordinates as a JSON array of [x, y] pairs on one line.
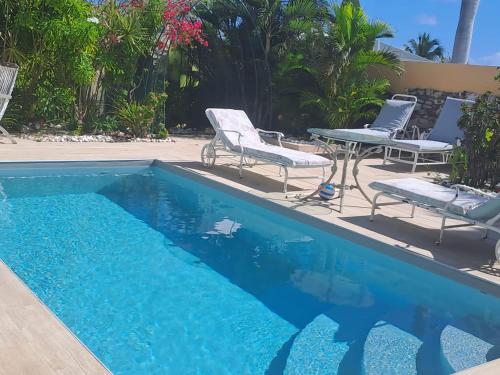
[[279, 135], [5, 96], [366, 126]]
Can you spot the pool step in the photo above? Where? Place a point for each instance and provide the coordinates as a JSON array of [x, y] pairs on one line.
[[461, 350], [390, 350], [315, 350]]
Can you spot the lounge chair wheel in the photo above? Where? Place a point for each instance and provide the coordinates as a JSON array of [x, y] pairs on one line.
[[208, 155]]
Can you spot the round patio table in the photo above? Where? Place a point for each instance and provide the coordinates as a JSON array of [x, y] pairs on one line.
[[352, 147]]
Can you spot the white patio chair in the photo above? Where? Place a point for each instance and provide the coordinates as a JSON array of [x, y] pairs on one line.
[[440, 141], [459, 202], [235, 135], [8, 74]]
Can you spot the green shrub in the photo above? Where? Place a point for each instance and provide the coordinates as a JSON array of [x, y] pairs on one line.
[[480, 165], [54, 103], [105, 125], [139, 118]]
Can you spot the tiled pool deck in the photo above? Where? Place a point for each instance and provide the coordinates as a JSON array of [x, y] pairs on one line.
[[32, 340]]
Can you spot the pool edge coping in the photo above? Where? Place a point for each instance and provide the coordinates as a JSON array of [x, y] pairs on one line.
[[53, 314]]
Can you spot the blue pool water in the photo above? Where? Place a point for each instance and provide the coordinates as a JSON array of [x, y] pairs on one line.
[[158, 274]]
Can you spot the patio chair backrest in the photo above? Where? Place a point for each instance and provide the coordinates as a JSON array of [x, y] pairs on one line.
[[234, 120], [487, 210], [8, 74], [394, 115], [446, 128]]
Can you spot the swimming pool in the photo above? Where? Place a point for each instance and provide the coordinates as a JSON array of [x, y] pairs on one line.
[[160, 272]]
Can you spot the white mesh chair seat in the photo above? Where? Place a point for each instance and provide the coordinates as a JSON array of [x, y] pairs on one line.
[[423, 145], [431, 194], [284, 156]]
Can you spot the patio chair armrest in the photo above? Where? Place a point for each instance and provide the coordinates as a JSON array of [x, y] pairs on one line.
[[279, 135], [5, 96], [366, 126]]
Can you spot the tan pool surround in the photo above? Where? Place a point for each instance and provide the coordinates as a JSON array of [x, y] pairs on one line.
[[34, 341]]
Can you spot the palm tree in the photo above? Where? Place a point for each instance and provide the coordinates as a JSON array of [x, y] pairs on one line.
[[463, 35], [347, 93], [425, 47]]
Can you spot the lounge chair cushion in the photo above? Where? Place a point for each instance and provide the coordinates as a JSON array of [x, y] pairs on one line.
[[283, 155], [446, 128], [423, 145], [369, 135], [431, 194], [394, 115]]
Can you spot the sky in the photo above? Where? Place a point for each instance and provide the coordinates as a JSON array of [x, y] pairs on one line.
[[408, 18]]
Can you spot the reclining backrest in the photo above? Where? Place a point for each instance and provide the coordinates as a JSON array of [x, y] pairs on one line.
[[394, 115], [223, 119], [8, 74], [487, 210], [446, 128]]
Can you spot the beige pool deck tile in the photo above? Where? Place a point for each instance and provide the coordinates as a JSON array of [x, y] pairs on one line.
[[32, 340]]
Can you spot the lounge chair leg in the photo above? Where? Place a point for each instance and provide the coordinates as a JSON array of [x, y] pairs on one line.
[[324, 174], [497, 250], [441, 231], [285, 184], [6, 134], [386, 150], [374, 205], [279, 172], [241, 166], [415, 161], [412, 211]]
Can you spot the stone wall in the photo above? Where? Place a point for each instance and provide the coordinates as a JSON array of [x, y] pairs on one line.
[[429, 105]]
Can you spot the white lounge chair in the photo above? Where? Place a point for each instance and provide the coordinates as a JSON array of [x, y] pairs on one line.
[[8, 74], [235, 135], [440, 141], [390, 123], [459, 202]]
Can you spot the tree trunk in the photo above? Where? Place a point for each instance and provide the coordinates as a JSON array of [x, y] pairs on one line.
[[463, 35]]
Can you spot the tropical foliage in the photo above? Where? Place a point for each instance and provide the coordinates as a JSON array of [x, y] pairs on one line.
[[426, 47], [289, 64], [477, 162]]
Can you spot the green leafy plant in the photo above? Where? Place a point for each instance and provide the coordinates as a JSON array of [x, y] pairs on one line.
[[345, 92], [54, 103], [104, 125], [138, 118], [481, 145]]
